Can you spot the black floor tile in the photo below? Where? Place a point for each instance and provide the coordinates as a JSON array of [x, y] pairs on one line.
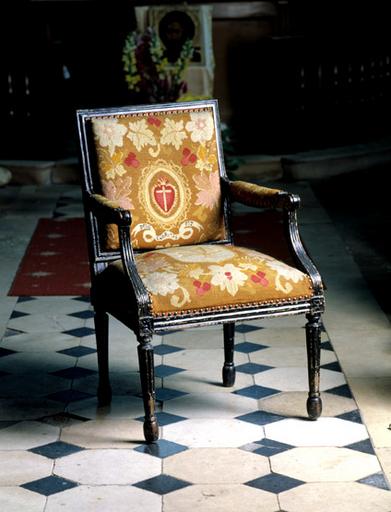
[[245, 328], [362, 446], [260, 417], [247, 347], [256, 392], [351, 416], [162, 484], [376, 480], [165, 418], [162, 350], [164, 370], [161, 448], [6, 352], [56, 450], [49, 485], [275, 483], [334, 366], [253, 368], [80, 332], [83, 314], [343, 390], [78, 351], [267, 447]]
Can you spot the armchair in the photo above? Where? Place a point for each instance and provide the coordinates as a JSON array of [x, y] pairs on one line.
[[162, 255]]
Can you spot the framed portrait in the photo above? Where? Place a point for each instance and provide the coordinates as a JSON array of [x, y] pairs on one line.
[[174, 24]]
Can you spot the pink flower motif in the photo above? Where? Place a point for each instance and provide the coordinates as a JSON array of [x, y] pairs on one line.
[[201, 288], [188, 157], [209, 189], [259, 278], [119, 191], [154, 121], [131, 160]]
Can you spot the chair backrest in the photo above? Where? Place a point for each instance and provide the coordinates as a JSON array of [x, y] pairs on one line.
[[164, 164]]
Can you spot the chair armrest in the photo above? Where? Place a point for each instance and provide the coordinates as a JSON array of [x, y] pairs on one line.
[[263, 197], [109, 211], [254, 195]]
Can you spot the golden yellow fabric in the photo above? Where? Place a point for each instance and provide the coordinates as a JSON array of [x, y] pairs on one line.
[[107, 202], [163, 167], [182, 279], [255, 195]]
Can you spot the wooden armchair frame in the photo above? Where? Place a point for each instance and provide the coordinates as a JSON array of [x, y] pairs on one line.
[[135, 311]]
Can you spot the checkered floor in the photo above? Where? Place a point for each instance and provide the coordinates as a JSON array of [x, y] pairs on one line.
[[245, 448]]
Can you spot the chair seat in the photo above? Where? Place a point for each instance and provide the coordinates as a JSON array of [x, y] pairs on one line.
[[213, 277]]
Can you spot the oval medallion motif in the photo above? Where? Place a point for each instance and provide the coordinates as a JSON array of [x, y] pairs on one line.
[[164, 192]]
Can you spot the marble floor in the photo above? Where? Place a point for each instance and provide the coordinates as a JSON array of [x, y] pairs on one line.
[[247, 448]]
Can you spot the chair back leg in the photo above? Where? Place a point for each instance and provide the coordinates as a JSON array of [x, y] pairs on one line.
[[147, 377], [313, 332], [101, 321], [229, 371]]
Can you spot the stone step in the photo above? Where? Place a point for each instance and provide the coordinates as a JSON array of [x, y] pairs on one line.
[[312, 165], [42, 172], [308, 165]]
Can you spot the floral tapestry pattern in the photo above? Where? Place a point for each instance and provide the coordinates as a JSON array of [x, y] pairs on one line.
[[164, 168], [187, 278]]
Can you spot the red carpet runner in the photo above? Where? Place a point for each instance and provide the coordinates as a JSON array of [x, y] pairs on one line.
[[56, 261]]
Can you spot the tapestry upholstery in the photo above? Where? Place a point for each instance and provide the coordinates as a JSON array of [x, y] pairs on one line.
[[257, 196], [215, 276], [163, 167]]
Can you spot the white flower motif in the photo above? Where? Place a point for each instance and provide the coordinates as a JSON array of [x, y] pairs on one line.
[[283, 270], [172, 133], [196, 273], [203, 166], [115, 170], [199, 253], [201, 126], [140, 134], [151, 262], [109, 133], [161, 283], [227, 277]]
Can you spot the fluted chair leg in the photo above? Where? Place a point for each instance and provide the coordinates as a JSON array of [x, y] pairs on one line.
[[147, 376], [229, 371], [101, 321], [313, 332]]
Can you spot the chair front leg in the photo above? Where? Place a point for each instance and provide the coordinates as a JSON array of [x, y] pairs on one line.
[[147, 377], [101, 321], [313, 331], [229, 371]]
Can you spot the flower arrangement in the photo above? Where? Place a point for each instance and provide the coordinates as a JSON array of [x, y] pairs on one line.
[[148, 72]]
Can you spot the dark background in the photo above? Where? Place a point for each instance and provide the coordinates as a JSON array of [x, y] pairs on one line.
[[316, 74]]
